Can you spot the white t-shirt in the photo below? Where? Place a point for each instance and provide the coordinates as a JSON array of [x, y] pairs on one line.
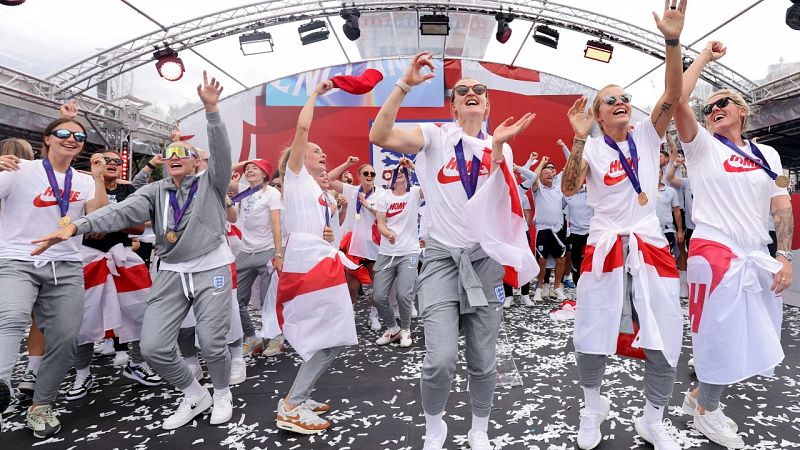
[[402, 213], [731, 194], [579, 213], [338, 232], [437, 173], [549, 203], [609, 192], [304, 205], [365, 229], [667, 199], [29, 211], [254, 219]]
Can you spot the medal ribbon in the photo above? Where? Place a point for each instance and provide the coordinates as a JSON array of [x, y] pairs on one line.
[[327, 208], [358, 202], [763, 163], [469, 178], [61, 198], [631, 172], [246, 193], [177, 210], [394, 178]]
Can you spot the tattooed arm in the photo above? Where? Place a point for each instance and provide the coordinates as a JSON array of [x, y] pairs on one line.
[[781, 208], [670, 26], [575, 170]]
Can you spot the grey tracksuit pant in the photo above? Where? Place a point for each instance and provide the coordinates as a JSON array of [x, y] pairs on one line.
[[248, 267], [659, 376], [309, 373], [83, 356], [709, 395], [209, 292], [54, 292], [403, 270]]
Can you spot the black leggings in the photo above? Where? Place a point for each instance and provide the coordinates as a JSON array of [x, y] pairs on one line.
[[578, 244]]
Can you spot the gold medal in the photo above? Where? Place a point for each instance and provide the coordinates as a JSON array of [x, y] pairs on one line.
[[64, 221], [172, 237], [782, 181], [642, 198], [358, 216]]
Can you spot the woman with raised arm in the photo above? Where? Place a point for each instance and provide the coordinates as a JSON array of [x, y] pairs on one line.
[[459, 283], [39, 196], [735, 308], [195, 263], [630, 284]]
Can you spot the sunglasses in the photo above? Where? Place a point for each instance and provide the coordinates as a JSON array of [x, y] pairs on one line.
[[368, 174], [180, 152], [462, 90], [62, 133], [611, 99], [721, 103], [115, 161], [276, 185]]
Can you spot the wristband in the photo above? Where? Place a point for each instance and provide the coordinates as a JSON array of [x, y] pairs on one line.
[[152, 167], [498, 161], [672, 42], [278, 255], [403, 87]]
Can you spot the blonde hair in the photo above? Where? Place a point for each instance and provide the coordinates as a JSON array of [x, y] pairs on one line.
[[598, 101], [282, 162], [737, 99], [17, 147]]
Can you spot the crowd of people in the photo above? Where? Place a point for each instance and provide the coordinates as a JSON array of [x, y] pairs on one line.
[[165, 269]]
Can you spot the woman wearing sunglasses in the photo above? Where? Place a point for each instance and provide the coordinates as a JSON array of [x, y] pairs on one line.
[[735, 304], [630, 283], [39, 196], [195, 263], [453, 255]]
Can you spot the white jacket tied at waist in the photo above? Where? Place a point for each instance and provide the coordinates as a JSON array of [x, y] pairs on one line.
[[655, 286]]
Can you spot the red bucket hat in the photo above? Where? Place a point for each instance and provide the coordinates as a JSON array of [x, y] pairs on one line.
[[262, 164], [360, 84]]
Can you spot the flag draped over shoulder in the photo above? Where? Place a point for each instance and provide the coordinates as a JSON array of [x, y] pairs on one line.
[[313, 303], [499, 226]]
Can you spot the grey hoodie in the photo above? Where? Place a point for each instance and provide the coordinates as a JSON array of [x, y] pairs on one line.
[[201, 230]]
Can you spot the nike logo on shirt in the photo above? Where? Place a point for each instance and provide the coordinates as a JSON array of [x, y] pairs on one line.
[[615, 173], [46, 198], [738, 163], [449, 172], [395, 209]]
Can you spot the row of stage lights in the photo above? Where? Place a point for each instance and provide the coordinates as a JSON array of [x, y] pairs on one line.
[[171, 68]]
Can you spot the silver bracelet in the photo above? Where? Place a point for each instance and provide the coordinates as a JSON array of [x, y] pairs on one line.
[[403, 87]]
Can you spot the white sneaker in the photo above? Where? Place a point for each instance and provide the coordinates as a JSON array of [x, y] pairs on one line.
[[526, 300], [508, 302], [690, 404], [222, 410], [661, 434], [436, 444], [714, 426], [82, 385], [238, 371], [537, 296], [560, 294], [479, 440], [274, 346], [188, 410], [389, 336], [405, 338], [197, 371], [120, 359], [106, 348], [690, 363], [141, 373], [300, 420], [374, 323], [589, 435]]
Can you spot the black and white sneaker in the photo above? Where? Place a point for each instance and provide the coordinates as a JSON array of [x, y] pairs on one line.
[[142, 374], [81, 387], [28, 382], [5, 396]]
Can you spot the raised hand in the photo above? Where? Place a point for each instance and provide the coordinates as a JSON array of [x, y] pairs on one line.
[[352, 160], [9, 162], [98, 163], [507, 130], [534, 156], [581, 121], [323, 87], [716, 49], [407, 163], [69, 110], [671, 24], [175, 134], [413, 75], [545, 160], [209, 92]]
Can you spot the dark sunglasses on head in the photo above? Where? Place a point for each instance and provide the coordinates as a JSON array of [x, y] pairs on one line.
[[62, 133], [462, 89], [611, 99], [368, 174], [721, 103]]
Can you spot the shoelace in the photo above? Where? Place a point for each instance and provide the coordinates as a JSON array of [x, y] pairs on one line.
[[307, 416], [665, 430], [43, 415]]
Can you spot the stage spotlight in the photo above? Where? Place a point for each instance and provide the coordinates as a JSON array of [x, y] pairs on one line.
[[793, 15], [350, 26], [546, 36], [434, 25], [313, 31], [598, 51], [256, 43], [503, 30], [168, 65]]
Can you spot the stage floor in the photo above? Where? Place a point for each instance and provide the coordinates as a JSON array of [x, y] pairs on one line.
[[374, 395]]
